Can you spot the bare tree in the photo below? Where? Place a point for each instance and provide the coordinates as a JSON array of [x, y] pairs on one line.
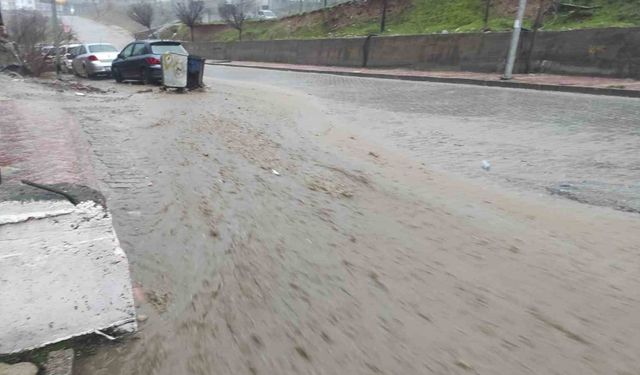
[[2, 32], [96, 8], [383, 16], [485, 19], [235, 14], [27, 29], [66, 36], [189, 13], [141, 13], [543, 7]]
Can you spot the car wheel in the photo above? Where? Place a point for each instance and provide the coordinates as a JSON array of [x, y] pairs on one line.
[[115, 72], [146, 77], [86, 73]]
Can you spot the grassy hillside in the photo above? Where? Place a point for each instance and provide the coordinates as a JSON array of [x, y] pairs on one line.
[[431, 16]]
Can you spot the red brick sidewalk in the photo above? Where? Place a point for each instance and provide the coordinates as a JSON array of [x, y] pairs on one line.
[[41, 144], [594, 85]]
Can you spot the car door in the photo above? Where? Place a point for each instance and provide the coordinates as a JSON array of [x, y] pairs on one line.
[[137, 60], [77, 60], [122, 61]]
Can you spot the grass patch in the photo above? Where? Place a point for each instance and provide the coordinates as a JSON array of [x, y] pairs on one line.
[[430, 16]]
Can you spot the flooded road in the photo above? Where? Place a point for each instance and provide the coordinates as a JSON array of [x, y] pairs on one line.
[[266, 237], [579, 146], [281, 223]]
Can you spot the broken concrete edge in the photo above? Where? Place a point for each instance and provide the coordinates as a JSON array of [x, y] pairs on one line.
[[23, 203], [25, 211], [23, 193], [116, 331], [465, 81], [80, 345]]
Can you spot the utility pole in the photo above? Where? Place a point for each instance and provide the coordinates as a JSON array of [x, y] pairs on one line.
[[515, 38], [56, 35]]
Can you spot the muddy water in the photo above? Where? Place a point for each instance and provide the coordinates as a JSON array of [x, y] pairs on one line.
[[581, 147], [356, 257]]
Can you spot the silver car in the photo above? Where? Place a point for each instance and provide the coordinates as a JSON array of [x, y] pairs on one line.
[[67, 53], [93, 59]]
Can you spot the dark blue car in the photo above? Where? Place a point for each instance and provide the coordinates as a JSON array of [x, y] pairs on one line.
[[140, 60]]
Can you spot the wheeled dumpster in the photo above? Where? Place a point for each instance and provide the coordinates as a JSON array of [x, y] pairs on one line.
[[195, 71], [173, 70]]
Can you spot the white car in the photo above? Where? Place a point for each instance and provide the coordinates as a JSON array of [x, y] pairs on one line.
[[93, 59], [67, 53], [266, 14]]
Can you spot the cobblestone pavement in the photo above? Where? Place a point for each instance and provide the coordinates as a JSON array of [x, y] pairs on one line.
[[582, 147], [42, 144]]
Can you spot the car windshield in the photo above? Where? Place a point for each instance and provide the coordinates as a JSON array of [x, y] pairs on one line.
[[102, 48], [159, 49]]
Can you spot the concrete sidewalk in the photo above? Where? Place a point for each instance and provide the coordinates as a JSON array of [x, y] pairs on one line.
[[575, 84], [62, 270]]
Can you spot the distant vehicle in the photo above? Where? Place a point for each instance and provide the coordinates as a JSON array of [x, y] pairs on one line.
[[47, 53], [46, 50], [67, 53], [93, 59], [140, 60], [266, 14]]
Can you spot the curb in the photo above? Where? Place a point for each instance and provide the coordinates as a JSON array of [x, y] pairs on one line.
[[466, 81]]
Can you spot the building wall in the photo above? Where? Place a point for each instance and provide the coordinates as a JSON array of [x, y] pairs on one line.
[[19, 4], [12, 5]]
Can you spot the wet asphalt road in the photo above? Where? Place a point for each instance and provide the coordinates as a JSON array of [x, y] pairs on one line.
[[89, 31]]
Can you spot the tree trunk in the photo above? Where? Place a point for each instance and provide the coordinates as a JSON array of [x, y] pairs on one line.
[[191, 31], [485, 20], [537, 24], [383, 16], [2, 30], [240, 33]]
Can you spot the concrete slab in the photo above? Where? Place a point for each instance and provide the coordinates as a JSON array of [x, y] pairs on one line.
[[62, 274]]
